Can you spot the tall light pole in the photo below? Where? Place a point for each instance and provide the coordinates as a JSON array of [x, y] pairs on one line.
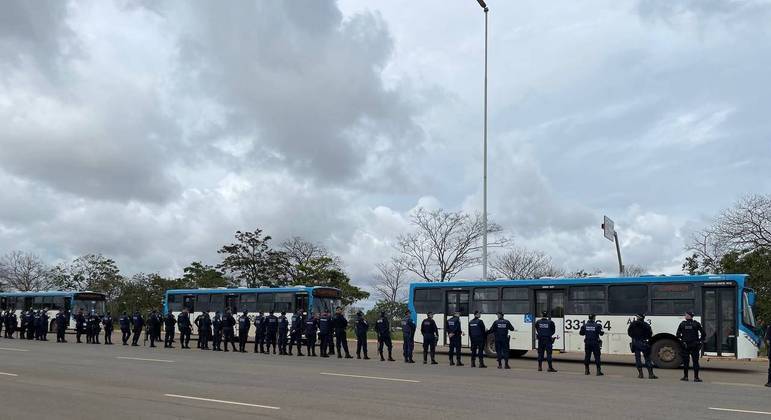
[[484, 174]]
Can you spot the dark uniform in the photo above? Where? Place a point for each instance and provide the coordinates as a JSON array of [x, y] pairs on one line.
[[383, 329], [44, 325], [94, 326], [125, 328], [244, 324], [154, 327], [204, 331], [283, 329], [228, 326], [477, 335], [138, 323], [430, 333], [362, 327], [544, 333], [107, 324], [61, 326], [340, 326], [31, 327], [216, 324], [271, 331], [311, 326], [2, 322], [259, 333], [500, 330], [592, 331], [296, 332], [641, 333], [185, 329], [408, 333], [455, 333], [691, 334], [197, 323], [12, 323], [325, 330], [38, 322], [169, 325]]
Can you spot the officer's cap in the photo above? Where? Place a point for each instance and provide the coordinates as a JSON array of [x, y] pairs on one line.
[[641, 315], [476, 312], [500, 312], [689, 313], [544, 314], [430, 313], [592, 316]]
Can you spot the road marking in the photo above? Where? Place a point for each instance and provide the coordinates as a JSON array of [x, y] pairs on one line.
[[740, 411], [370, 377], [737, 384], [145, 360], [8, 374], [221, 401], [10, 349]]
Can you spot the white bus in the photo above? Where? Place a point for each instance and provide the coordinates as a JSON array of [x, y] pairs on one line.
[[722, 303], [71, 302]]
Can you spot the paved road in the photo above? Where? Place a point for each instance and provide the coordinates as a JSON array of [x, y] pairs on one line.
[[52, 381]]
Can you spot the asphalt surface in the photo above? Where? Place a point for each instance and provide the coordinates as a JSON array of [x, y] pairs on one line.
[[65, 381]]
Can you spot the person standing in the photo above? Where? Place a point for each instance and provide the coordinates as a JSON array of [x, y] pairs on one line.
[[691, 334], [271, 331], [185, 328], [311, 326], [80, 324], [477, 335], [296, 331], [125, 327], [169, 326], [244, 324], [216, 324], [13, 323], [361, 335], [31, 327], [283, 329], [455, 333], [44, 324], [259, 333], [325, 329], [408, 332], [197, 323], [592, 331], [61, 326], [500, 330], [94, 326], [228, 326], [138, 323], [383, 329], [204, 331], [544, 333], [154, 327], [107, 324], [430, 333], [38, 322], [641, 333], [340, 326]]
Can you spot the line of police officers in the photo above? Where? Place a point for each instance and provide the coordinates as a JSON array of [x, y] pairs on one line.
[[279, 333]]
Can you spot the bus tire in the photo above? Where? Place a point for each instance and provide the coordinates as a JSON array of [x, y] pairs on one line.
[[516, 354], [665, 354]]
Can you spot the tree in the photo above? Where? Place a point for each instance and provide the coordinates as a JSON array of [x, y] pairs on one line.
[[203, 276], [391, 281], [89, 272], [634, 270], [252, 262], [24, 272], [524, 263], [394, 312], [444, 243], [757, 264], [324, 271], [301, 254], [144, 292]]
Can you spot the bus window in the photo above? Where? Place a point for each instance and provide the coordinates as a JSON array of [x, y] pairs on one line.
[[628, 299], [301, 301], [248, 302], [672, 299], [189, 302], [585, 300], [748, 317], [175, 303], [515, 300], [264, 302], [486, 300], [217, 303], [202, 303], [283, 302], [428, 300]]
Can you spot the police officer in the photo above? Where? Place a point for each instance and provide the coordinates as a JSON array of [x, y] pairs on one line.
[[259, 333], [383, 329], [544, 333], [361, 327], [296, 331], [38, 322], [283, 329], [311, 326], [154, 327], [454, 332], [80, 324], [592, 331], [340, 326], [244, 324], [32, 326], [271, 331], [138, 323], [325, 329], [228, 325], [768, 347], [94, 323], [125, 327], [61, 326], [23, 325], [500, 330], [13, 323], [169, 326], [691, 334], [197, 323], [44, 325], [185, 328], [430, 333], [216, 324], [204, 331], [408, 332], [641, 333], [3, 313], [477, 334], [107, 323]]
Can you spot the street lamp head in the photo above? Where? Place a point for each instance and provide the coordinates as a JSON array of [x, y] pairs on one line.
[[483, 4]]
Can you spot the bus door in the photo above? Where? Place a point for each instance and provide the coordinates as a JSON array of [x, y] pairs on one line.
[[719, 320], [231, 302], [553, 302], [457, 300], [301, 302]]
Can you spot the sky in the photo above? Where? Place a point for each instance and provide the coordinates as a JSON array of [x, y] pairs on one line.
[[150, 131]]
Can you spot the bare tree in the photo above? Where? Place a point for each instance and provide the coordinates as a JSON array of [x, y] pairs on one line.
[[391, 281], [524, 263], [444, 243], [303, 254], [24, 272], [634, 270]]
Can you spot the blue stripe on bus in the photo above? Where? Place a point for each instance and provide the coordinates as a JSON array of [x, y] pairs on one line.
[[27, 294]]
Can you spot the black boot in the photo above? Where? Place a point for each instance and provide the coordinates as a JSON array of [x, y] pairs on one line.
[[499, 365], [382, 359], [459, 363], [599, 371], [482, 365], [651, 375], [551, 369], [506, 365], [452, 362], [639, 373], [473, 363], [540, 368], [586, 371], [434, 362]]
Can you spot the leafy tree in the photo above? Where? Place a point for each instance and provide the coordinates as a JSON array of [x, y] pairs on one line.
[[252, 262], [145, 292], [394, 311], [324, 271], [203, 276], [93, 272], [757, 264]]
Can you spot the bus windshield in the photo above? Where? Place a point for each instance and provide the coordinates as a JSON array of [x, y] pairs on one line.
[[88, 306], [321, 304], [748, 317]]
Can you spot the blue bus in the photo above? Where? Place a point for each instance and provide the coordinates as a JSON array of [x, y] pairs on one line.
[[309, 299], [722, 303], [52, 301]]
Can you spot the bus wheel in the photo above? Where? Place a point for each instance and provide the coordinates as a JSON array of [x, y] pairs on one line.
[[516, 354], [666, 354]]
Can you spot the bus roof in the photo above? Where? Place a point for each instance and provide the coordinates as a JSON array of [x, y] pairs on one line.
[[232, 290], [738, 278], [46, 293]]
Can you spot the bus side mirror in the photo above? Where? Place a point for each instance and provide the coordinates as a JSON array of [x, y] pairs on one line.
[[751, 297]]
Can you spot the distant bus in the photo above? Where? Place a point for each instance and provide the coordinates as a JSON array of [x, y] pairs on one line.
[[71, 302], [288, 299], [722, 303]]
